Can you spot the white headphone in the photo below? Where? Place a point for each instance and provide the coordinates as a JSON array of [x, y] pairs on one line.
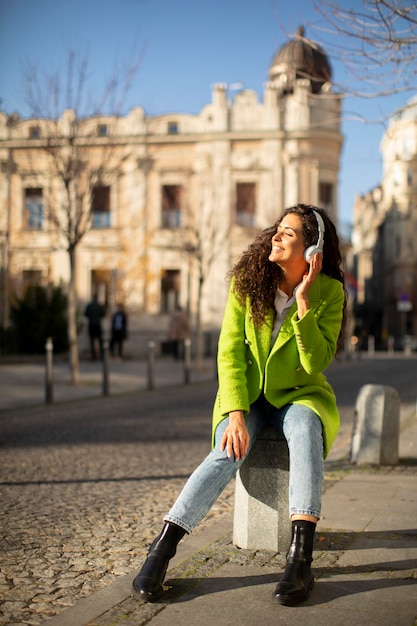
[[317, 247]]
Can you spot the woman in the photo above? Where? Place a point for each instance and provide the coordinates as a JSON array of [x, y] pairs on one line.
[[118, 330], [282, 327]]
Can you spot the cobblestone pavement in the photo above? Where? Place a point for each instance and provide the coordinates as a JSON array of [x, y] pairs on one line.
[[84, 487]]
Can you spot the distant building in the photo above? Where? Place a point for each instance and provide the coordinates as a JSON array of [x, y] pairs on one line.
[[190, 193], [384, 238]]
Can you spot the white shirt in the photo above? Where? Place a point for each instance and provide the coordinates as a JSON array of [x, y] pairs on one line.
[[282, 305]]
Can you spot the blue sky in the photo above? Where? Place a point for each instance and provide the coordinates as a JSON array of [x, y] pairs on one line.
[[186, 46]]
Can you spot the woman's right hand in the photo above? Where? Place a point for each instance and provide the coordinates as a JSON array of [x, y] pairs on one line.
[[236, 438]]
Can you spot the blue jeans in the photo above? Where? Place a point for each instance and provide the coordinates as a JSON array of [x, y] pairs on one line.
[[302, 430]]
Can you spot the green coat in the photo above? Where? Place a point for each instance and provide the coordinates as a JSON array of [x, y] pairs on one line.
[[290, 372]]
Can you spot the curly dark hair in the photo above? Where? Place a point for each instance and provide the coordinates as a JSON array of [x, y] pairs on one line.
[[257, 279]]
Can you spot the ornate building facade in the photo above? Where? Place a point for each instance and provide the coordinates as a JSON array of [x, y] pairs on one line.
[[384, 238], [189, 194]]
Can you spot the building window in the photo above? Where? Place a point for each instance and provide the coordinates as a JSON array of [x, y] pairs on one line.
[[101, 207], [408, 147], [171, 206], [102, 130], [170, 290], [245, 204], [34, 132], [173, 128], [33, 211], [326, 195]]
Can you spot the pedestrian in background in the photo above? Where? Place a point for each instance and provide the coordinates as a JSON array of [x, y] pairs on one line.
[[179, 330], [282, 327], [118, 331], [95, 312]]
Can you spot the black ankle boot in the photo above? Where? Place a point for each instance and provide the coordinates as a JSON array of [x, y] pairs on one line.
[[148, 583], [298, 580]]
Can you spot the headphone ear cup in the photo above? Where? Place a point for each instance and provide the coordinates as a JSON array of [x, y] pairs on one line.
[[310, 252]]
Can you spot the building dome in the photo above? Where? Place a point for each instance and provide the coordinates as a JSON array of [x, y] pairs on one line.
[[300, 58], [409, 111]]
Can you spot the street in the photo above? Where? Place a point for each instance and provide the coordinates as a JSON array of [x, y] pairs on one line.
[[347, 377], [84, 485]]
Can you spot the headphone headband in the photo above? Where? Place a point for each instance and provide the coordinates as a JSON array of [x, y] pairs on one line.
[[317, 248]]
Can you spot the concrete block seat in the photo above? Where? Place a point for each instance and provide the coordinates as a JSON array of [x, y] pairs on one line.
[[261, 515]]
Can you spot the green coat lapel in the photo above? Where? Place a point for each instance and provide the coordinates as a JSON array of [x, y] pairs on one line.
[[262, 338], [287, 330]]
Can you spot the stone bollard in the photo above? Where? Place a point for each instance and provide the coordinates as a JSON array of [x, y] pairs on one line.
[[49, 373], [375, 437], [261, 512], [151, 365], [187, 361], [390, 343], [105, 386], [407, 345]]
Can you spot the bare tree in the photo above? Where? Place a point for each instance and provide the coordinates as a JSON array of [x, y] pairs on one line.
[[377, 43], [66, 111], [206, 234]]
